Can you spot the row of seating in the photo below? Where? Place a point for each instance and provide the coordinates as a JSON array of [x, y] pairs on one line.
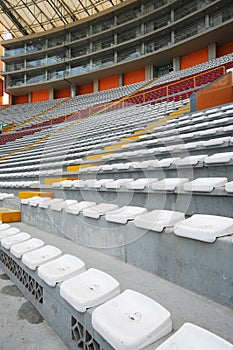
[[201, 184], [175, 162], [41, 116], [41, 111], [4, 195], [87, 125], [200, 227], [179, 89], [73, 147], [85, 289], [35, 164], [125, 319], [210, 64], [134, 159], [18, 184]]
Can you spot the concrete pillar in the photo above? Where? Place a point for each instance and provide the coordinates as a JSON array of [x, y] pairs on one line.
[[121, 82], [115, 57], [142, 29], [149, 72], [207, 21], [176, 64], [115, 39], [142, 48], [172, 15], [212, 51], [10, 99], [72, 90], [96, 85], [51, 94], [172, 36]]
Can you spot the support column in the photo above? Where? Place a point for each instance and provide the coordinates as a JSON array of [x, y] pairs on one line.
[[176, 64], [10, 99], [172, 37], [51, 94], [207, 21], [121, 79], [149, 72], [212, 51], [96, 85], [72, 90], [172, 15]]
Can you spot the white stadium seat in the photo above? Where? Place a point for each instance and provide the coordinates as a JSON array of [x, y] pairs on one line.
[[60, 269], [205, 228], [39, 256], [192, 337], [131, 321], [89, 289]]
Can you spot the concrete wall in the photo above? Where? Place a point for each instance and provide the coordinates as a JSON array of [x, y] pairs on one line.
[[192, 264]]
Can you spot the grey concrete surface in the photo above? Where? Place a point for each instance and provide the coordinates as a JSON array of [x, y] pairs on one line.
[[21, 326]]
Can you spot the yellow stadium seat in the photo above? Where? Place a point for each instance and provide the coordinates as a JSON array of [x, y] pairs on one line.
[[73, 168], [130, 138], [30, 194], [9, 215], [51, 180], [97, 156], [115, 146]]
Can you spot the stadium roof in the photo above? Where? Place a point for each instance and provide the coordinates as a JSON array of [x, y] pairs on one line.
[[24, 17]]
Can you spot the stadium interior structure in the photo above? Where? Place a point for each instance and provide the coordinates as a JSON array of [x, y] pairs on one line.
[[116, 163]]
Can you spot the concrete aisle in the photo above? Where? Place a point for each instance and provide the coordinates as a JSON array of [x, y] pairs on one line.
[[21, 326]]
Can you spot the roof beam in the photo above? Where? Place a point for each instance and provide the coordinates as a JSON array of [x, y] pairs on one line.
[[84, 7], [67, 8], [29, 10], [93, 5], [41, 12], [55, 9], [6, 9]]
